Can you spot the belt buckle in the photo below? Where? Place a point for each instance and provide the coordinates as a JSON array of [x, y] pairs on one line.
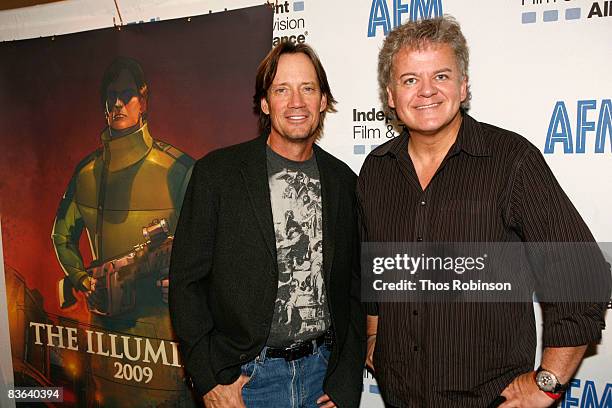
[[298, 351], [291, 353]]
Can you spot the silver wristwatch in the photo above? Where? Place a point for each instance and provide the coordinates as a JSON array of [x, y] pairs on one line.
[[548, 382]]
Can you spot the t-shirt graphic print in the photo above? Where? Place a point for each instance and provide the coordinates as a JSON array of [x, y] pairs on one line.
[[301, 311]]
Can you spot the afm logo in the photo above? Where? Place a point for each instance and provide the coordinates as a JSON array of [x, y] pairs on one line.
[[583, 393], [600, 129], [380, 16]]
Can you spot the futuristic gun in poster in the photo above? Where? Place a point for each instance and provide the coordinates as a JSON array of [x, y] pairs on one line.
[[114, 290]]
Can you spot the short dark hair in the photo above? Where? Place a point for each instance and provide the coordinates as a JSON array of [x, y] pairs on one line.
[[112, 73], [267, 71]]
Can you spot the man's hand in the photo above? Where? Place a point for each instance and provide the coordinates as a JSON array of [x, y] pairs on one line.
[[325, 402], [370, 352], [226, 396], [371, 330], [523, 392], [89, 284]]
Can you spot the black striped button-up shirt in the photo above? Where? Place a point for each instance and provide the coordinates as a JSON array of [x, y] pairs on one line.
[[492, 186]]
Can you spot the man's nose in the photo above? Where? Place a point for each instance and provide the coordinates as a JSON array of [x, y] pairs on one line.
[[428, 88], [296, 99]]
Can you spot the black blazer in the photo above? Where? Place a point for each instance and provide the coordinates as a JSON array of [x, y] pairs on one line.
[[224, 273]]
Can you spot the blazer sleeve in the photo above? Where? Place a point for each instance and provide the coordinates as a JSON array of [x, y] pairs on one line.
[[371, 308], [346, 382], [190, 264]]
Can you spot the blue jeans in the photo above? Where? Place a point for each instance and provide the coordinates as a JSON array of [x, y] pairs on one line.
[[275, 382]]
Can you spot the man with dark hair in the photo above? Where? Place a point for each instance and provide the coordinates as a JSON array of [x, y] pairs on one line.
[[126, 67], [253, 330], [448, 178], [133, 183]]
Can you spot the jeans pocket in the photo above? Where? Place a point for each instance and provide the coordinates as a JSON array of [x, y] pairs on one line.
[[250, 370], [324, 353]]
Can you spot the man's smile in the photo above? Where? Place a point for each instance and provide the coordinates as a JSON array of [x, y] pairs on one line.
[[429, 106]]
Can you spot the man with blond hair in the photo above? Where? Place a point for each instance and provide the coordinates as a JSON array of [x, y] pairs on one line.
[[449, 178]]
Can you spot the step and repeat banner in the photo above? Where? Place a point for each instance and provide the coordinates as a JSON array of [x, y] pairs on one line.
[[82, 210], [538, 67]]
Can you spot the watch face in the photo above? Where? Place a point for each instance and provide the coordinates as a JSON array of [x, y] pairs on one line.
[[546, 381]]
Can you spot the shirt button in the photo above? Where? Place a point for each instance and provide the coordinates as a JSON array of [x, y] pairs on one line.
[[416, 348], [414, 312], [243, 357], [419, 239], [422, 203]]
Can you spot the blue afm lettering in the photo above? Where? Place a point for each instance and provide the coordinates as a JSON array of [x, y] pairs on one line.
[[560, 129], [414, 9], [588, 398]]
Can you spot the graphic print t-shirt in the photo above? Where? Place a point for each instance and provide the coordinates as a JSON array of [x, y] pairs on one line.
[[301, 312]]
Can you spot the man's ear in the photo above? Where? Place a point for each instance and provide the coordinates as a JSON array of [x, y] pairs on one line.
[[143, 98], [464, 87], [390, 100], [264, 106], [143, 105]]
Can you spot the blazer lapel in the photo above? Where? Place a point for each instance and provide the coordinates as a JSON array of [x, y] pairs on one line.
[[329, 196], [255, 176]]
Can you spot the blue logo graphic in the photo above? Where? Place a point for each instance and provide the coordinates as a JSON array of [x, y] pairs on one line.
[[530, 17], [560, 129], [413, 9], [551, 15], [589, 396], [572, 13], [360, 149]]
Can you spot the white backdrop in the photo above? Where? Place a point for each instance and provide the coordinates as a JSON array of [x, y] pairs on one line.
[[542, 70], [519, 70]]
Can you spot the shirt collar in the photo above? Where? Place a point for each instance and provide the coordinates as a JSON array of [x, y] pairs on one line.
[[470, 139], [126, 150]]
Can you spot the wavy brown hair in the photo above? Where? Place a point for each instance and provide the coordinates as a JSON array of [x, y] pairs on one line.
[[267, 71]]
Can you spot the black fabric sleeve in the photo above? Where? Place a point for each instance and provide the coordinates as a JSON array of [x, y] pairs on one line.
[[190, 264], [569, 260], [371, 308]]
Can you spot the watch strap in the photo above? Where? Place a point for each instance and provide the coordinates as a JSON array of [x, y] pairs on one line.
[[553, 396]]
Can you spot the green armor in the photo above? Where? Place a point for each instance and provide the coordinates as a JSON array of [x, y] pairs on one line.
[[115, 192], [118, 190]]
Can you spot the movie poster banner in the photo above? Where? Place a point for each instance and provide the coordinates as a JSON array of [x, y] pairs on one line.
[[100, 131]]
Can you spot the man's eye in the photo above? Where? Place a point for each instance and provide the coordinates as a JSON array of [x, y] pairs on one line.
[[280, 91], [441, 77], [309, 89], [410, 81]]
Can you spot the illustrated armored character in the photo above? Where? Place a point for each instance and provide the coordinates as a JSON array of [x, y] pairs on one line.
[[127, 196]]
